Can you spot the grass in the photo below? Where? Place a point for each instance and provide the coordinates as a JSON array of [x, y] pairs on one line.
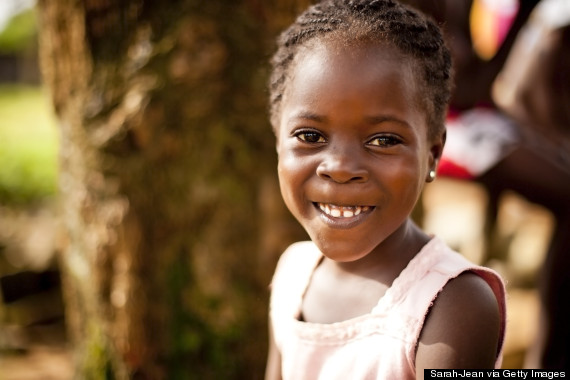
[[28, 145], [20, 33]]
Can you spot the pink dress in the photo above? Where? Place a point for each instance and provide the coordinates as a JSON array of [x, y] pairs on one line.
[[378, 345]]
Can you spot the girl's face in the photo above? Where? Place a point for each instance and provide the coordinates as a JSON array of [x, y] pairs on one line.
[[352, 145]]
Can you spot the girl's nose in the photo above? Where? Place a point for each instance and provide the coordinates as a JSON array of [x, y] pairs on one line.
[[342, 166]]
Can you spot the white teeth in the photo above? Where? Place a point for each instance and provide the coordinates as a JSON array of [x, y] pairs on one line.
[[342, 211]]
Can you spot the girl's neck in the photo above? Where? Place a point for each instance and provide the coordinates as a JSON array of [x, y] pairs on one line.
[[340, 291], [390, 257]]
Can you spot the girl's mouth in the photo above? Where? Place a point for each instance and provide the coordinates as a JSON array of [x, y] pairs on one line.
[[342, 212]]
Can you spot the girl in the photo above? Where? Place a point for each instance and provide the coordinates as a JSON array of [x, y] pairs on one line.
[[358, 99]]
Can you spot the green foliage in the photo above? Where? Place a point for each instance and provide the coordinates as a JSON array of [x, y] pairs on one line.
[[28, 145], [97, 361], [199, 348], [20, 33]]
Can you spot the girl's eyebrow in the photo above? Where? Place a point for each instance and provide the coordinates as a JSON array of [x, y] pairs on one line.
[[306, 115], [386, 118], [371, 120]]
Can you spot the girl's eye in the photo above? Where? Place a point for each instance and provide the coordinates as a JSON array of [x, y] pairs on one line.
[[385, 141], [310, 137]]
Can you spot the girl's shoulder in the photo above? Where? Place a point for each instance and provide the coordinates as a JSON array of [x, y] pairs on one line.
[[438, 259], [290, 280], [467, 317], [295, 267], [299, 254], [466, 322]]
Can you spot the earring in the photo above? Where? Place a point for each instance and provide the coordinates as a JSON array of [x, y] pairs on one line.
[[431, 175]]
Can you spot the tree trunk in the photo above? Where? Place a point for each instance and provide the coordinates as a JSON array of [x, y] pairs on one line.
[[169, 197]]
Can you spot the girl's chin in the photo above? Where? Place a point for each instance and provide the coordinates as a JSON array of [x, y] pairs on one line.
[[342, 250]]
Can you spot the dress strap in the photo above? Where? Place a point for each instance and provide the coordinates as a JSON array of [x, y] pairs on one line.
[[290, 281], [413, 293]]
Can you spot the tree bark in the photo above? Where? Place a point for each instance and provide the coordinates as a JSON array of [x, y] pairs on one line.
[[172, 213]]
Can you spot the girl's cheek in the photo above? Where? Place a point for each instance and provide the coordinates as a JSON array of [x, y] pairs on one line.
[[287, 159]]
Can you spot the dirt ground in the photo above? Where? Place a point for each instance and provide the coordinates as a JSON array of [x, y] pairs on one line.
[[38, 363]]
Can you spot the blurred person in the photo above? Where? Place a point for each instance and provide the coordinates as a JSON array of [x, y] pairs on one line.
[[534, 89], [517, 137]]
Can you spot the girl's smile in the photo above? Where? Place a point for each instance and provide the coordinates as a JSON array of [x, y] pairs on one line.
[[343, 216], [353, 148], [343, 212]]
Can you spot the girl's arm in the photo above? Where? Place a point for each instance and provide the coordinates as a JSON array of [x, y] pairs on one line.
[[273, 369], [462, 328]]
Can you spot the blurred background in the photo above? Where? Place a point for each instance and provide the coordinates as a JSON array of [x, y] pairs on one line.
[[32, 332], [137, 183]]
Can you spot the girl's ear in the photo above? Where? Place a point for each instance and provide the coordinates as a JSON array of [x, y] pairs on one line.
[[436, 150]]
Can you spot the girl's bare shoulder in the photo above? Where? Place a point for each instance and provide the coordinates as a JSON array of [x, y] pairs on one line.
[[463, 327]]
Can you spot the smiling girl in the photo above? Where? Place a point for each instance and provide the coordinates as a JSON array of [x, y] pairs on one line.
[[358, 99]]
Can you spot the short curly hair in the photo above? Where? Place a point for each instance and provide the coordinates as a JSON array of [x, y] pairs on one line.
[[376, 21]]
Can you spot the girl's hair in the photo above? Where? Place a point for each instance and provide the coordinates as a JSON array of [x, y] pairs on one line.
[[371, 21]]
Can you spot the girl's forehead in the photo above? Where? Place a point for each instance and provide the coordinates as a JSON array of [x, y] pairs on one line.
[[355, 67], [328, 55], [363, 82], [332, 50]]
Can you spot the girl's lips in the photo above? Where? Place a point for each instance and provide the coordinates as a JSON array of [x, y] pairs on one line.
[[343, 216]]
